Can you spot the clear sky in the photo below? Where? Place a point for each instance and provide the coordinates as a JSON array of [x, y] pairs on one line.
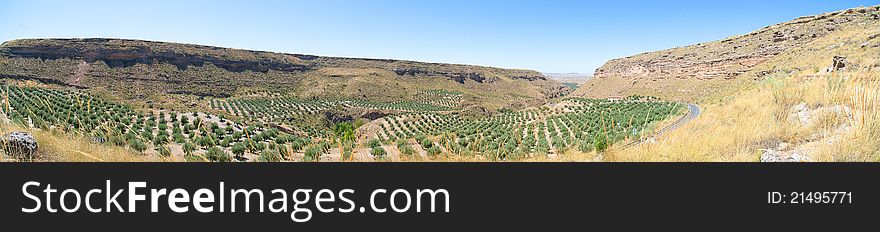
[[549, 36]]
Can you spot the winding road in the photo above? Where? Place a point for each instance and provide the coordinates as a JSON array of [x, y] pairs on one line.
[[693, 113]]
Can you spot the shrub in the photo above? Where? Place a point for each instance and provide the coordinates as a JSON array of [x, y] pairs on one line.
[[433, 151], [269, 156], [238, 149], [188, 148], [408, 151], [313, 153], [427, 144], [346, 153], [160, 140], [374, 143], [216, 154], [137, 145], [378, 152], [600, 143], [405, 148]]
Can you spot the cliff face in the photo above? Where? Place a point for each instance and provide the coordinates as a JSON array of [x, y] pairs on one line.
[[117, 53], [136, 68], [719, 60]]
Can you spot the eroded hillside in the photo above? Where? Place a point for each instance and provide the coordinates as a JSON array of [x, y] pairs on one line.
[[696, 72], [135, 69], [816, 102]]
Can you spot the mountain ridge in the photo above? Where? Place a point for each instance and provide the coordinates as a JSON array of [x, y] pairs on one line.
[[135, 69], [696, 72]]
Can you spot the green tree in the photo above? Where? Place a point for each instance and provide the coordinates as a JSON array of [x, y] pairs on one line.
[[238, 149], [378, 152], [373, 143], [433, 151], [216, 154], [600, 143], [188, 148]]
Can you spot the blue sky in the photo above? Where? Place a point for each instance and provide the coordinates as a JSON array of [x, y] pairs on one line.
[[549, 36]]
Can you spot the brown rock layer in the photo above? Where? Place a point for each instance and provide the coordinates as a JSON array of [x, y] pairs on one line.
[[718, 60]]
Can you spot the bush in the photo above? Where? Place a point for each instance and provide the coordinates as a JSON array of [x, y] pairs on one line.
[[238, 149], [374, 143], [178, 138], [216, 154], [405, 148], [600, 143], [433, 151], [269, 156], [378, 152], [346, 154], [160, 140], [188, 148], [427, 144], [137, 146], [313, 153]]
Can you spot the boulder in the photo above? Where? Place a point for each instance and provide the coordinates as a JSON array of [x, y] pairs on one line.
[[19, 145], [838, 63]]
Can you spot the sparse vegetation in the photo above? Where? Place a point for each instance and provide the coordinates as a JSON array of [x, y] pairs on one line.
[[801, 108]]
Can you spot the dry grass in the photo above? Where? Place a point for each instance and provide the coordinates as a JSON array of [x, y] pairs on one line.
[[60, 147], [723, 132], [738, 130], [862, 143], [740, 126]]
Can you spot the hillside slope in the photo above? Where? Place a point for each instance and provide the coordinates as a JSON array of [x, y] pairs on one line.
[[806, 107], [695, 72], [135, 69]]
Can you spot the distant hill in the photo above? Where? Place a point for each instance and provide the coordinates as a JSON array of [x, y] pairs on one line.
[[576, 78], [696, 72], [137, 70]]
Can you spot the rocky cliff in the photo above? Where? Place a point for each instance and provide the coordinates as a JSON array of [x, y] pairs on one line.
[[137, 68], [126, 53], [668, 72]]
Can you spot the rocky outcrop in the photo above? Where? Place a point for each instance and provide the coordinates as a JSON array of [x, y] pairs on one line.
[[837, 63], [457, 77], [120, 53], [730, 57], [136, 69], [837, 120], [127, 53], [19, 145], [669, 70]]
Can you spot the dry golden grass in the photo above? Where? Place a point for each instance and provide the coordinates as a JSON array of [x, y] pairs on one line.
[[739, 127], [723, 132], [60, 147]]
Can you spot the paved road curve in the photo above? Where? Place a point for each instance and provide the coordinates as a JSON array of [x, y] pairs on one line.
[[693, 113]]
